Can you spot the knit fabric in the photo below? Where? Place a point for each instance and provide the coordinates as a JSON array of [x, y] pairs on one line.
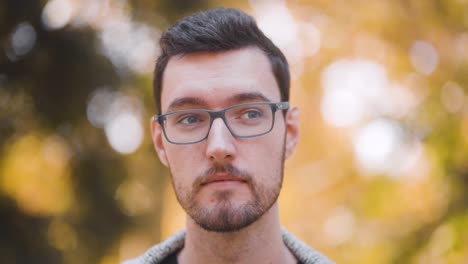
[[174, 243]]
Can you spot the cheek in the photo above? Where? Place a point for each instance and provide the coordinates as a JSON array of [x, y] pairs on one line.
[[184, 163], [264, 155], [271, 146], [182, 156]]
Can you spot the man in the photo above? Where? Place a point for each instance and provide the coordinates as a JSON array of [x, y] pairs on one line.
[[224, 130]]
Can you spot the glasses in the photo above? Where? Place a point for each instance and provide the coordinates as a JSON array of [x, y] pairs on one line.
[[243, 121]]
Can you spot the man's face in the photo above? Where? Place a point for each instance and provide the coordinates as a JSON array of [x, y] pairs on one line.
[[225, 183]]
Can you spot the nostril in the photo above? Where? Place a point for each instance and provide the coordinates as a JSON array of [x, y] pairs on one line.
[[220, 157]]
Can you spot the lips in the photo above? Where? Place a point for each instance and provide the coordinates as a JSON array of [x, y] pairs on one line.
[[221, 177]]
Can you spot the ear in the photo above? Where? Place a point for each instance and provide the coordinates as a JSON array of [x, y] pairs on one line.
[[292, 131], [157, 136]]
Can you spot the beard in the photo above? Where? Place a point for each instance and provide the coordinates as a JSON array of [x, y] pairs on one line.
[[226, 215]]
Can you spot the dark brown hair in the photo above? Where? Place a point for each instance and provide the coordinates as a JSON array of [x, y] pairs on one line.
[[216, 30]]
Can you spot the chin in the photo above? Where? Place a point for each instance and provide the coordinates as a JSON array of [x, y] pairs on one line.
[[225, 216]]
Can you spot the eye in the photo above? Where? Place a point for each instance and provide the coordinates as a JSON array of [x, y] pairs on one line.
[[251, 114], [190, 120]]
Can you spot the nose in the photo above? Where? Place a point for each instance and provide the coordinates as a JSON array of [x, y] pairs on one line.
[[220, 143]]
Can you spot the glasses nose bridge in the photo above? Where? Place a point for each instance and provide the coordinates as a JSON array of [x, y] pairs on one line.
[[219, 114]]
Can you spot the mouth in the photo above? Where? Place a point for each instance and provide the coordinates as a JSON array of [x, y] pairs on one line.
[[222, 179]]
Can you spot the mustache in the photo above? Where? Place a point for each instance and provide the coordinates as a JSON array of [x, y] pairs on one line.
[[227, 168]]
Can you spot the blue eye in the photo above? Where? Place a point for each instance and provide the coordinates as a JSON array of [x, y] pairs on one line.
[[251, 114], [188, 120]]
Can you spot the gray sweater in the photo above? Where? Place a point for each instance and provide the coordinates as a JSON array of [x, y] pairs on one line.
[[174, 243]]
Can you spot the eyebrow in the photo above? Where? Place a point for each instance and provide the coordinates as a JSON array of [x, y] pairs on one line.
[[199, 102], [186, 101]]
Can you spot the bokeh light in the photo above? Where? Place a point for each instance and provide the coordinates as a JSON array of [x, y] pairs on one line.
[[89, 12], [57, 14], [376, 143], [383, 146], [352, 89], [120, 117], [99, 109], [453, 97], [275, 20], [23, 39], [424, 57], [124, 132], [129, 45], [297, 39]]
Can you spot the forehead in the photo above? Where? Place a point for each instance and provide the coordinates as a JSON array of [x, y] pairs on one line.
[[217, 80]]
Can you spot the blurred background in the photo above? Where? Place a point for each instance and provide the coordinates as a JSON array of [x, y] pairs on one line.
[[380, 174]]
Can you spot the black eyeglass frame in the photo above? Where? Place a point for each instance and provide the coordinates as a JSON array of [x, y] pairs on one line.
[[221, 114]]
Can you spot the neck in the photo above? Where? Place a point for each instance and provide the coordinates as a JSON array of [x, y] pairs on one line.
[[260, 242]]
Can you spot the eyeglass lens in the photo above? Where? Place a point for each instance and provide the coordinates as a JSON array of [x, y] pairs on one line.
[[242, 121]]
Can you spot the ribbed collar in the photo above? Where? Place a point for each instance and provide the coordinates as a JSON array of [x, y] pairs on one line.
[[174, 243]]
